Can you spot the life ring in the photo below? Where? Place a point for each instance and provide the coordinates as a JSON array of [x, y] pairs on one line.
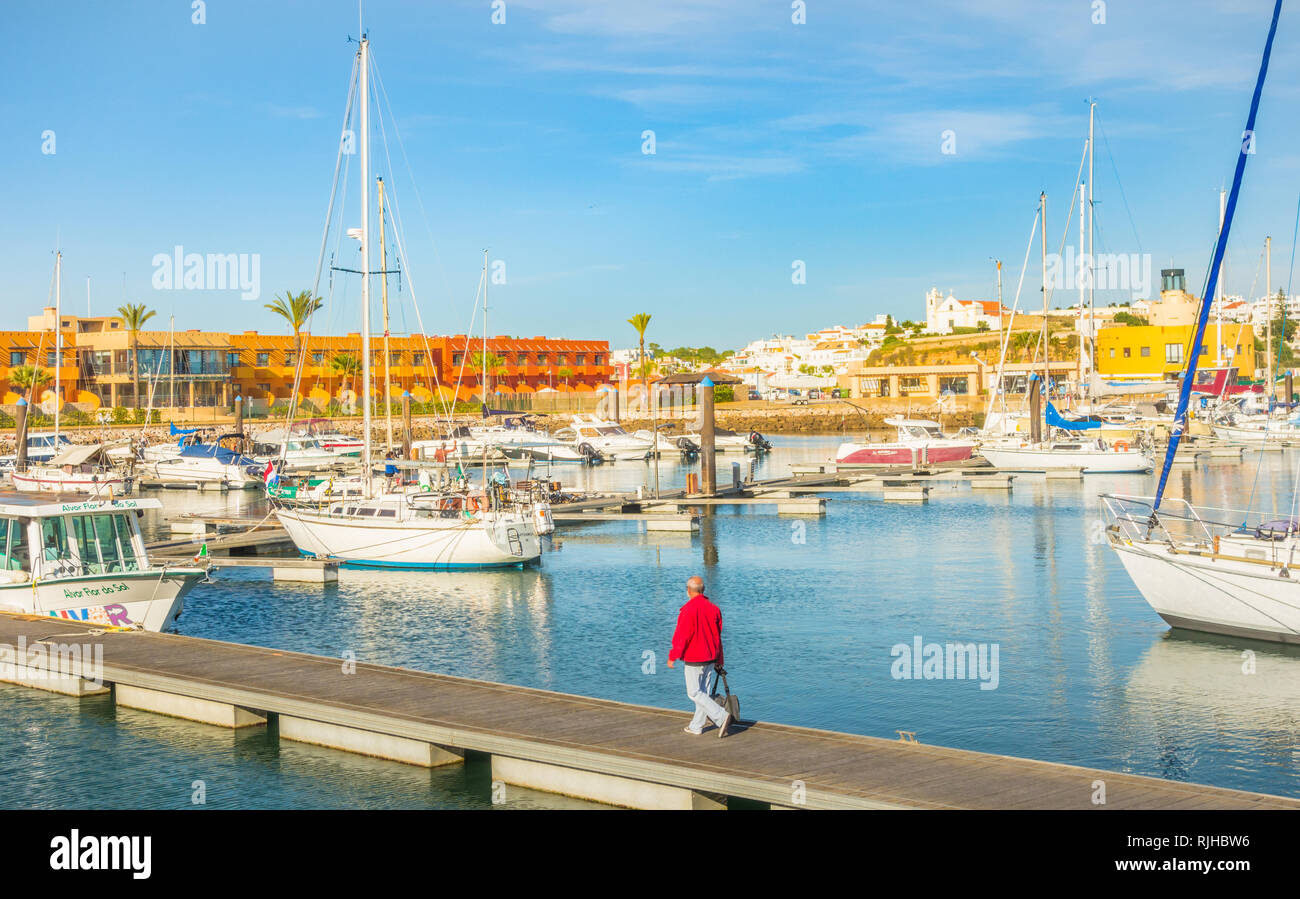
[[1120, 446]]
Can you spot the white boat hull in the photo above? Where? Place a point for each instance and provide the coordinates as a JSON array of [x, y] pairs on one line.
[[148, 599], [56, 481], [1215, 595], [198, 471], [1090, 461], [420, 543]]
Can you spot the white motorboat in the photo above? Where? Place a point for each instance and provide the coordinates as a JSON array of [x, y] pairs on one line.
[[85, 560], [292, 452], [41, 447], [81, 469], [607, 438], [200, 463], [918, 441]]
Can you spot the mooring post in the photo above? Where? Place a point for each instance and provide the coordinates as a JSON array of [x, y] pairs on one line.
[[708, 462], [406, 424], [1035, 409], [1290, 397], [20, 432], [239, 415]]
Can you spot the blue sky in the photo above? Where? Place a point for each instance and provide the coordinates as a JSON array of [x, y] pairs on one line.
[[775, 142]]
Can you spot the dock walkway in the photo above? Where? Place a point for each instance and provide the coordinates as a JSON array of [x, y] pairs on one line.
[[614, 752]]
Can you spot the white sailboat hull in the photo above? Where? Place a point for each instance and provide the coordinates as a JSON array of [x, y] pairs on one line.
[[198, 471], [420, 543], [1215, 595], [1031, 458], [38, 480]]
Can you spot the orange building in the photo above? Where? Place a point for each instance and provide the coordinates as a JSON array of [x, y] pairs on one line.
[[37, 348]]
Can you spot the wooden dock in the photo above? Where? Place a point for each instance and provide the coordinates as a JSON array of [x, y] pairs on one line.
[[608, 751]]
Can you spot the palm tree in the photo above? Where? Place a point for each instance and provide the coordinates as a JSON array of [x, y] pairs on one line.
[[346, 366], [641, 321], [134, 316], [296, 309], [29, 377], [565, 373], [482, 364]]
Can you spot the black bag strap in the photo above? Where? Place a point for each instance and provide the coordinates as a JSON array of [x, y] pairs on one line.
[[720, 677]]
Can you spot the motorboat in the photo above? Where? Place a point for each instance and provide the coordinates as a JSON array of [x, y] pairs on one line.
[[85, 560], [41, 447], [590, 433], [292, 452], [79, 469], [193, 462], [918, 441]]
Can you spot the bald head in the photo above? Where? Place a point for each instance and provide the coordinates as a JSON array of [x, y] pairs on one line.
[[694, 585]]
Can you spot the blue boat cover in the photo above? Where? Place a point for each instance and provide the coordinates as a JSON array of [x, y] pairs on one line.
[[1055, 420]]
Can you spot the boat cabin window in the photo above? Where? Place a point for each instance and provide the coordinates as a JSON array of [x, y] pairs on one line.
[[1067, 446], [54, 539], [13, 538], [386, 513], [611, 432], [104, 543]]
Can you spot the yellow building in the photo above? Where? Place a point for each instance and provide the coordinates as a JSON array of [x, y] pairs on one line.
[[1154, 352]]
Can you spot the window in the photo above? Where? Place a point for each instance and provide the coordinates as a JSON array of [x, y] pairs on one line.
[[457, 358], [1127, 352], [318, 358], [1174, 353], [17, 357], [521, 359], [263, 360], [1205, 351], [54, 539], [1146, 351], [561, 358], [541, 358], [1112, 352], [958, 384], [52, 359], [598, 359], [16, 557], [394, 358], [232, 359], [417, 358]]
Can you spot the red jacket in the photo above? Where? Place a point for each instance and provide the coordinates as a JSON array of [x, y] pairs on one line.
[[698, 637]]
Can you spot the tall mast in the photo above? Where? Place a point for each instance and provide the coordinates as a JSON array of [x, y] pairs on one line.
[[365, 261], [1268, 293], [383, 282], [1084, 270], [1092, 232], [1218, 293], [484, 362], [58, 341], [1042, 212], [171, 361]]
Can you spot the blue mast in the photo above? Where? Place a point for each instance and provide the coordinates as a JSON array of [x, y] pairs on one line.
[[1247, 147]]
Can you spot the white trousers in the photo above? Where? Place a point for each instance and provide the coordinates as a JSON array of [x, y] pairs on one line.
[[697, 688]]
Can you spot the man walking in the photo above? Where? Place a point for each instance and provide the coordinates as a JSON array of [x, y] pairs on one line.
[[697, 641]]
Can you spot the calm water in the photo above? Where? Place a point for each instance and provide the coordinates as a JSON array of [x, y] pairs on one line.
[[1087, 673]]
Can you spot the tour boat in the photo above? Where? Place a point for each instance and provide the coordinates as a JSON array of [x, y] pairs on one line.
[[1211, 572], [85, 560], [79, 469], [918, 442]]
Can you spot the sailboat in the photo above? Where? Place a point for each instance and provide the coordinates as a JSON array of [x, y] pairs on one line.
[[1196, 570], [409, 528]]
